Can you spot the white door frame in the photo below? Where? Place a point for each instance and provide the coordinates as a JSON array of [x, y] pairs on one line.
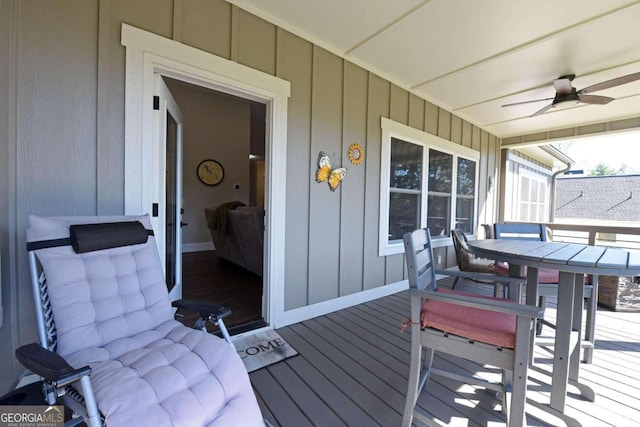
[[167, 105], [148, 53]]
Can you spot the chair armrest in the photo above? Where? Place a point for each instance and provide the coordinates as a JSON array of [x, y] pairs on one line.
[[207, 310], [491, 304], [49, 365], [481, 276]]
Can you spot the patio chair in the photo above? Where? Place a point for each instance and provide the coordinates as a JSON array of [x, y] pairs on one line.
[[472, 264], [548, 279], [488, 231], [110, 347], [485, 330]]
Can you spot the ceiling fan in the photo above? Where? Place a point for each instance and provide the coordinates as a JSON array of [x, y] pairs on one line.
[[568, 96]]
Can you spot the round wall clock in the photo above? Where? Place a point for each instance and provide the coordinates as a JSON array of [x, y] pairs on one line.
[[210, 172]]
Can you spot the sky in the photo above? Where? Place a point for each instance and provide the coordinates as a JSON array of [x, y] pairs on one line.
[[614, 150]]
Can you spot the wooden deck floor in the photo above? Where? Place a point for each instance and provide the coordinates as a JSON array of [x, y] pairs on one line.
[[353, 365]]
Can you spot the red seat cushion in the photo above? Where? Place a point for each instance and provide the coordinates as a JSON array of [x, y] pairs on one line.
[[479, 325]]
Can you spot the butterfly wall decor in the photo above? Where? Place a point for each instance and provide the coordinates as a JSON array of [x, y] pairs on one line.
[[326, 173]]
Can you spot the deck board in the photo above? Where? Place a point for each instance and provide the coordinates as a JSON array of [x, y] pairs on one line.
[[352, 369]]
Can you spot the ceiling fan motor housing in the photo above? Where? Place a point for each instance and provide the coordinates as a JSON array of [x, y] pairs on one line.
[[566, 100]]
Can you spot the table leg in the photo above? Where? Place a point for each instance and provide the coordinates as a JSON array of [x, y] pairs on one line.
[[576, 340], [532, 299], [514, 292], [578, 304], [564, 327], [590, 329]]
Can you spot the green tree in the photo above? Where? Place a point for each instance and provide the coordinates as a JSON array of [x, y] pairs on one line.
[[602, 169]]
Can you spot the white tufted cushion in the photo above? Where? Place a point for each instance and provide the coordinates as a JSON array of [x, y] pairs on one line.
[[112, 312], [172, 375]]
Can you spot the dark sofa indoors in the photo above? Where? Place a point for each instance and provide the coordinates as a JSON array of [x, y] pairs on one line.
[[237, 232]]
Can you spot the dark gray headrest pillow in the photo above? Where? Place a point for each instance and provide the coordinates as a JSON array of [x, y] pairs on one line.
[[95, 237]]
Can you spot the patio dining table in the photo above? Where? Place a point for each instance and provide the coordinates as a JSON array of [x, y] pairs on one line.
[[572, 261]]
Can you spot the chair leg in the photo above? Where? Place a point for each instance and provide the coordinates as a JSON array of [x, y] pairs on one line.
[[507, 389], [513, 399], [224, 331], [412, 389], [93, 416], [517, 399], [418, 379], [542, 302], [455, 282]]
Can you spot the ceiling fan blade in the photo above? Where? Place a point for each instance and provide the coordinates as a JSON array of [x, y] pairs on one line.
[[610, 83], [595, 99], [562, 86], [542, 110], [527, 102]]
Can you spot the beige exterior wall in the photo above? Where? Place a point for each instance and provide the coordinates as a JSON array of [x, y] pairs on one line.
[[62, 145]]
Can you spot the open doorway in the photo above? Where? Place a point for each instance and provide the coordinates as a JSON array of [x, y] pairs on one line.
[[223, 187], [148, 54]]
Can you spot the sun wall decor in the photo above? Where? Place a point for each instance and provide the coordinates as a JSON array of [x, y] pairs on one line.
[[356, 154], [326, 173]]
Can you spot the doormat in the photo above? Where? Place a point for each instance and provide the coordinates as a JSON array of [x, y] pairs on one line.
[[262, 349]]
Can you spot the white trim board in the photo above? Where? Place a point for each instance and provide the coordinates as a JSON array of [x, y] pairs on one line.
[[148, 53], [319, 309]]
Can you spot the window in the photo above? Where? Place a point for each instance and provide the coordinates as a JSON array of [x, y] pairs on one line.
[[466, 195], [405, 188], [426, 181], [532, 197]]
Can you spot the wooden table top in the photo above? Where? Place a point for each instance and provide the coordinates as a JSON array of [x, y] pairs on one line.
[[569, 257]]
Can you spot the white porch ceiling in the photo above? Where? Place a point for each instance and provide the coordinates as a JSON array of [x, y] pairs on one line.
[[470, 57]]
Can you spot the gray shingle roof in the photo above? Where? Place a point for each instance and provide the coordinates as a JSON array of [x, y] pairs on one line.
[[615, 198]]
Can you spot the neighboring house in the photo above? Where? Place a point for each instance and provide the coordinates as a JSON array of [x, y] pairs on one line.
[[75, 130], [582, 199]]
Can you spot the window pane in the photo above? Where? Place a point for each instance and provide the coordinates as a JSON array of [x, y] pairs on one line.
[[439, 215], [440, 181], [524, 212], [466, 177], [440, 172], [466, 182], [524, 189], [404, 214], [542, 193], [464, 215], [406, 165], [534, 191]]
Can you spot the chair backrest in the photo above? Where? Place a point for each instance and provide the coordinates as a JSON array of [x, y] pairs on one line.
[[488, 231], [463, 256], [419, 253], [114, 290], [520, 231]]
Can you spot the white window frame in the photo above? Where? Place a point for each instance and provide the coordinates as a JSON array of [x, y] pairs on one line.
[[538, 179], [392, 129]]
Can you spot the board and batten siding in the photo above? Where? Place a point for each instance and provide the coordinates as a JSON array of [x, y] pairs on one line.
[[63, 153]]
